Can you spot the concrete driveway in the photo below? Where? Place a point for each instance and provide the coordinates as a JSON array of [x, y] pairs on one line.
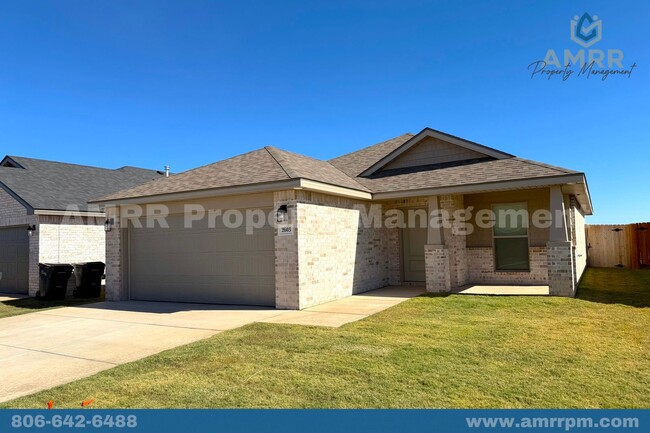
[[48, 348]]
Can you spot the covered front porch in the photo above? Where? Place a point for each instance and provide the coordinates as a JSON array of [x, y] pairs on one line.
[[468, 255]]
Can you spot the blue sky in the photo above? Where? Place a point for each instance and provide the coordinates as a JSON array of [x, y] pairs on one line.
[[149, 83]]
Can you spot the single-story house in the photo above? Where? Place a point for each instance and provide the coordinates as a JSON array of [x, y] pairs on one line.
[[45, 216], [321, 242]]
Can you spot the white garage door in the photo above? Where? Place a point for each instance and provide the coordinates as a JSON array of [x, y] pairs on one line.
[[200, 264], [14, 260]]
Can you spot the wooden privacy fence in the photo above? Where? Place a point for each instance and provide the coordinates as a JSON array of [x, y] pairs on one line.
[[619, 245]]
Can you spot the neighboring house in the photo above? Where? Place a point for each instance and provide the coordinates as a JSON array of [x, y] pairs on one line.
[[325, 253], [51, 200]]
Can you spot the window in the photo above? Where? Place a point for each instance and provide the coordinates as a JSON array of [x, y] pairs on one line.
[[510, 235]]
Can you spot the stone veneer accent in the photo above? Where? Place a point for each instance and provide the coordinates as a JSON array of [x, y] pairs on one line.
[[481, 268]]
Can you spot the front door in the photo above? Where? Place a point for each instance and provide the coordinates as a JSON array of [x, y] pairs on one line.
[[413, 241]]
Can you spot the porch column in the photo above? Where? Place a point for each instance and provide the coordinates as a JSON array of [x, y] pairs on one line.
[[445, 253], [558, 230], [559, 249], [436, 257]]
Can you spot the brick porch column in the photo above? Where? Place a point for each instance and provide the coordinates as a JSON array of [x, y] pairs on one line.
[[560, 269], [436, 262], [445, 253], [560, 256]]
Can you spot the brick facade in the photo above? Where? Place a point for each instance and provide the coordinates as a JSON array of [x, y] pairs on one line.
[[56, 239], [115, 263], [287, 278], [480, 262], [70, 240], [330, 255], [455, 241], [446, 264], [436, 261], [454, 264], [13, 214], [78, 240], [561, 277]]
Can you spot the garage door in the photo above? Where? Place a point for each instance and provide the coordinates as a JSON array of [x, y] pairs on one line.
[[14, 260], [200, 264]]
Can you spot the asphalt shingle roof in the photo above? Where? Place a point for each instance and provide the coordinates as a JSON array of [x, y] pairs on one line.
[[354, 163], [303, 167], [270, 164], [498, 170], [50, 185]]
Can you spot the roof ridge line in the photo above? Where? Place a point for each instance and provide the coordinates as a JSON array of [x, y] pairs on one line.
[[72, 164], [268, 149], [353, 179]]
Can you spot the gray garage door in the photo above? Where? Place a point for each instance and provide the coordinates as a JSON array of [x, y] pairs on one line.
[[200, 264], [14, 260]]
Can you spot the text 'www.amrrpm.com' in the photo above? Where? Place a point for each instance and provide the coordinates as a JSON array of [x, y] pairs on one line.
[[560, 423]]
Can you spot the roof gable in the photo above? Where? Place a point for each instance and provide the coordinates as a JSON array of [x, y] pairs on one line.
[[9, 162], [430, 147], [434, 152]]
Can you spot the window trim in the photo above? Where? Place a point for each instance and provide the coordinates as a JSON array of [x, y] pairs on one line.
[[494, 246]]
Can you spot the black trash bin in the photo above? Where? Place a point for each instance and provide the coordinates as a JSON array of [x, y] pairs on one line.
[[53, 280], [88, 279]]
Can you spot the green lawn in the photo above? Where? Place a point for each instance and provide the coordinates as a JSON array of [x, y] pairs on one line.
[[30, 305], [432, 351]]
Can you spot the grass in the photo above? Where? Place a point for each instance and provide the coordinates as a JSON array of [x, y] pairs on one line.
[[433, 351], [15, 307]]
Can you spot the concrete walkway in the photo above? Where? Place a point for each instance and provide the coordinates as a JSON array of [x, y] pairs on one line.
[[48, 348], [477, 289], [350, 309], [4, 297]]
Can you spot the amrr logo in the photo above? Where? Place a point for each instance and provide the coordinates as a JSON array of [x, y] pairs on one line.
[[586, 30]]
